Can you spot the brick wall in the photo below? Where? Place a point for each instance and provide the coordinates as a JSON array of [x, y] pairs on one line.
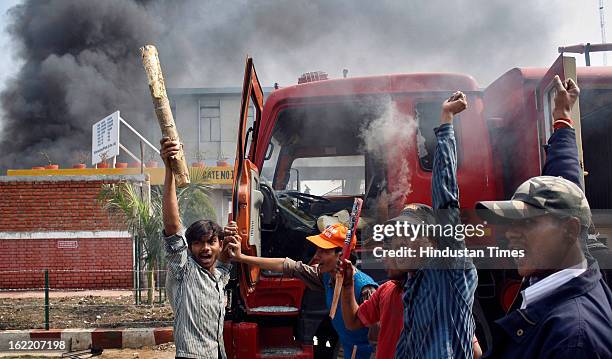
[[56, 223], [53, 206], [96, 263]]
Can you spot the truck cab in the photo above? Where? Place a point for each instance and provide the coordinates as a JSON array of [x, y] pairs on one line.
[[518, 109], [313, 148]]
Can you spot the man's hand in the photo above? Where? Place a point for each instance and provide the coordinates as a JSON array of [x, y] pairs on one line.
[[226, 250], [231, 229], [565, 98], [169, 149], [452, 106], [231, 241], [346, 269], [232, 246]]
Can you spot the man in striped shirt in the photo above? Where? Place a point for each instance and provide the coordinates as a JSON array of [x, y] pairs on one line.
[[439, 292], [383, 308], [196, 280]]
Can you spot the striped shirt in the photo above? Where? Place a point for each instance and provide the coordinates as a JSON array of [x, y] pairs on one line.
[[438, 320], [197, 298]]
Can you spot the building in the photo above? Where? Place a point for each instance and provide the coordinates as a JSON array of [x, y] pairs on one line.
[[207, 120], [53, 221]]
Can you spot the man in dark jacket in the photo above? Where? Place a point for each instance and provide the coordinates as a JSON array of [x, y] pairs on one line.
[[562, 161], [564, 309]]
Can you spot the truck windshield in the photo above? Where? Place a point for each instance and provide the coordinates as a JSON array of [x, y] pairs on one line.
[[319, 150], [328, 176]]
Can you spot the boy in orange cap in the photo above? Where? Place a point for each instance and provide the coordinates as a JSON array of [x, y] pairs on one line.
[[318, 277]]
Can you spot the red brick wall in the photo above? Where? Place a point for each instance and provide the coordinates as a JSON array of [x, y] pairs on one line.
[[40, 205], [53, 206], [97, 263]]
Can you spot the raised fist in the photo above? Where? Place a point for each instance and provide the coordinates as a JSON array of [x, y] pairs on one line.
[[452, 106], [565, 98]]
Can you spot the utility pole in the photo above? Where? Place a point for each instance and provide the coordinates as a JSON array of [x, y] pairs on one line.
[[603, 29]]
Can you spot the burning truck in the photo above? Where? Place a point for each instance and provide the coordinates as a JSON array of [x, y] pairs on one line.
[[373, 136]]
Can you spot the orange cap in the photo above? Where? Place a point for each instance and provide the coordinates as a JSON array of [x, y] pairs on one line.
[[333, 236]]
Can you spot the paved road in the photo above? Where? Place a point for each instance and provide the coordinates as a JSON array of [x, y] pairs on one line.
[[107, 354]]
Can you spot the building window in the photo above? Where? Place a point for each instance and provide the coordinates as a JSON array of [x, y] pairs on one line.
[[210, 121]]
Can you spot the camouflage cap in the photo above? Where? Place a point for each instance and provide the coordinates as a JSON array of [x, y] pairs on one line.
[[538, 196]]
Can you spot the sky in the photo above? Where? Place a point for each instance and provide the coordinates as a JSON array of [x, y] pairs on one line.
[[8, 62], [578, 22]]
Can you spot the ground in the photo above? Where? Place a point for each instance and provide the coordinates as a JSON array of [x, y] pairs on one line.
[[82, 310], [164, 351]]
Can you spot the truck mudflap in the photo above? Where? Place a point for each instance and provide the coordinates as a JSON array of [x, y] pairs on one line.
[[247, 340]]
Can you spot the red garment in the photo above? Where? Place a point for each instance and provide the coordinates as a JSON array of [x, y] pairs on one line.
[[563, 123], [387, 308]]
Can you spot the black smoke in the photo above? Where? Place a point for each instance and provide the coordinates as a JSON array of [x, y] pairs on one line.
[[81, 59], [80, 63]]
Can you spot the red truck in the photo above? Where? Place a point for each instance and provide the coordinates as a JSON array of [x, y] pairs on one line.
[[314, 146]]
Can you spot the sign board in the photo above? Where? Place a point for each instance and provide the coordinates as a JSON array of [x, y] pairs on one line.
[[218, 175], [105, 138], [67, 244]]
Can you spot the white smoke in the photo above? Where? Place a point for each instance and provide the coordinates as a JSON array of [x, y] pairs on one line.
[[384, 138]]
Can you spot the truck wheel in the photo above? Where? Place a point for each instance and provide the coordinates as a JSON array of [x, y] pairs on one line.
[[321, 351], [326, 333]]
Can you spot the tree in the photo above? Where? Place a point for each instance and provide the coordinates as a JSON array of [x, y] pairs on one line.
[[194, 202], [144, 217]]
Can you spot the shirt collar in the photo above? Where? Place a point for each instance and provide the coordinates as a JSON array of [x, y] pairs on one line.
[[539, 289]]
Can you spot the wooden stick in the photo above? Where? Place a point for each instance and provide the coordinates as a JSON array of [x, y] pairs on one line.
[[336, 297], [150, 60], [346, 252], [354, 352]]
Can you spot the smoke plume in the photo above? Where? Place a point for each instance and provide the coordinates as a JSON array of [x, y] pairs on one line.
[[81, 61]]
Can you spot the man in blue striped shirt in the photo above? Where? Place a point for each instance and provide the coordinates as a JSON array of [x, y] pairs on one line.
[[439, 294]]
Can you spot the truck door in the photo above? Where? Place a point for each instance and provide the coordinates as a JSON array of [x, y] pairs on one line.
[[565, 67], [246, 196]]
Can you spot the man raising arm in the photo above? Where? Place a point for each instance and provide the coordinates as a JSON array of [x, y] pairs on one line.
[[564, 309], [196, 278], [319, 277], [439, 292]]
